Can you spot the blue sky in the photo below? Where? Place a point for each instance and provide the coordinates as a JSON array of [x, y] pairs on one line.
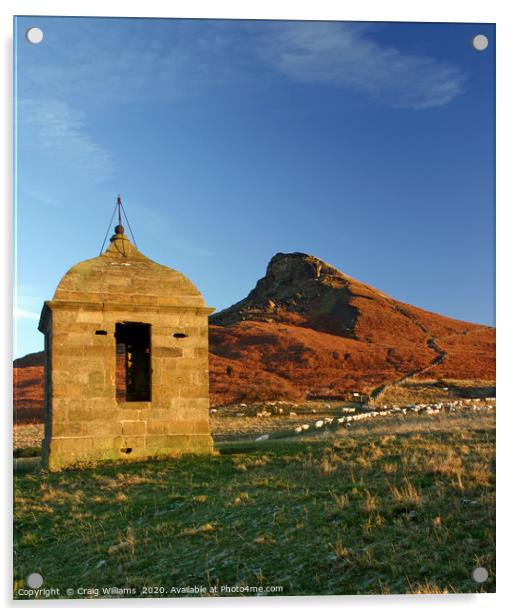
[[369, 145]]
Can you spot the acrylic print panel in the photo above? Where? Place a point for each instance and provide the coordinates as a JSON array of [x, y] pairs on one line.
[[255, 343]]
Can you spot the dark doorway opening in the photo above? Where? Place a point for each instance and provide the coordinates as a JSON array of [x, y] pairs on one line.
[[133, 358]]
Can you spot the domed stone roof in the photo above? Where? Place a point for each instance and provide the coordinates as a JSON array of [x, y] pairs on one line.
[[122, 274]]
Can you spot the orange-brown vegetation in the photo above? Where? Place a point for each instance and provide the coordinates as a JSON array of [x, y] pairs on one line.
[[470, 356], [270, 361], [308, 330], [28, 393]]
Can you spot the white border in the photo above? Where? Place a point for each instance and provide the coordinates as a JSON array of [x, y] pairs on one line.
[[367, 10]]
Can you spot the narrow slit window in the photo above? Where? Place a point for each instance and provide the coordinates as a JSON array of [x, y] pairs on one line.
[[133, 362]]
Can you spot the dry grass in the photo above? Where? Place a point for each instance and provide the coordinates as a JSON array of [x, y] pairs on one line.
[[407, 495], [316, 515], [428, 588]]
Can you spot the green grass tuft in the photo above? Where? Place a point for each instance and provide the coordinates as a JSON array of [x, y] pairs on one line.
[[365, 512]]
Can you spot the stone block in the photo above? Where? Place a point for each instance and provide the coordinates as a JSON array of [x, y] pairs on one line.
[[133, 427], [170, 427], [101, 351], [158, 414], [96, 378], [177, 444], [68, 350], [70, 391], [93, 414], [189, 390], [163, 351], [87, 316], [69, 428]]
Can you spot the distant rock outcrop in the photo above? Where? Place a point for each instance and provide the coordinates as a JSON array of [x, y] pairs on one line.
[[301, 290], [307, 329], [30, 360]]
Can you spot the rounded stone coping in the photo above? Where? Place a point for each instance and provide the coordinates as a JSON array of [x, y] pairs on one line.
[[121, 272]]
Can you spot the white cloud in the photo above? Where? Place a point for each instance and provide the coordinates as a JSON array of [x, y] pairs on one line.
[[19, 313], [344, 56], [158, 60], [135, 61], [58, 134]]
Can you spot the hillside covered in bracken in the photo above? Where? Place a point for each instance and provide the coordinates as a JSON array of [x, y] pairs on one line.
[[308, 330]]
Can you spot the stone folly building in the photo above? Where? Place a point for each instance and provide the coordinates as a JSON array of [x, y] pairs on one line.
[[126, 361]]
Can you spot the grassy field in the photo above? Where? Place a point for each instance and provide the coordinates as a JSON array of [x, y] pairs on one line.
[[397, 506], [418, 390]]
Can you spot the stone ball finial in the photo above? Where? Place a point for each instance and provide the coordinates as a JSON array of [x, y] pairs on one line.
[[119, 230]]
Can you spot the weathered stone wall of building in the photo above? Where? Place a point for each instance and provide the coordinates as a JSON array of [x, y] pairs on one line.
[[88, 423], [85, 421]]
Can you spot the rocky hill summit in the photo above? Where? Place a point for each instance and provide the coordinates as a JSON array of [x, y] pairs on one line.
[[297, 289], [302, 290]]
